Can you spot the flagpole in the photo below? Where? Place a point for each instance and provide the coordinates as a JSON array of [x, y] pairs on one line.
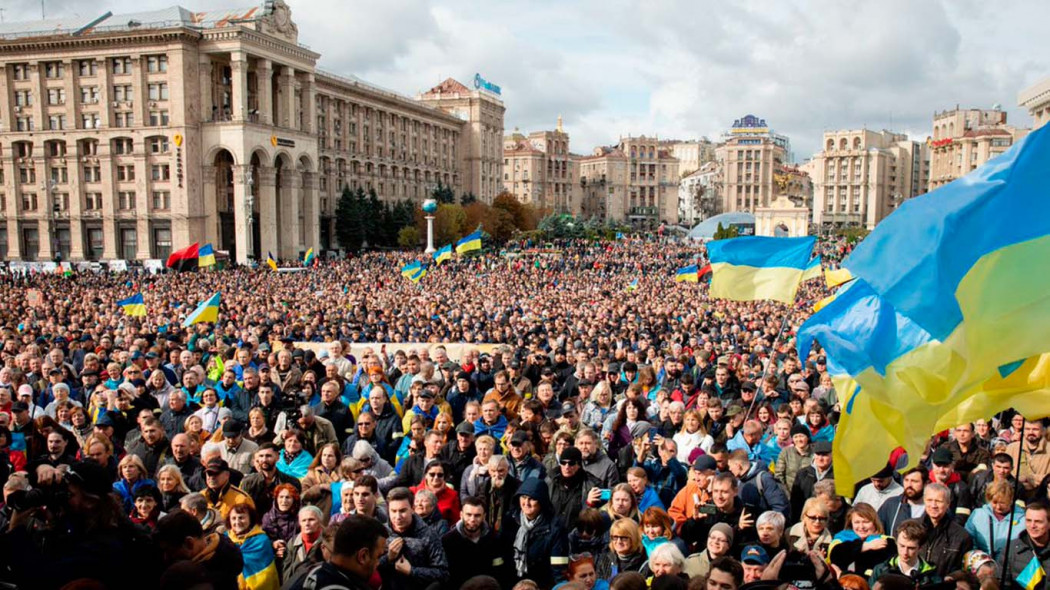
[[772, 359], [1010, 526]]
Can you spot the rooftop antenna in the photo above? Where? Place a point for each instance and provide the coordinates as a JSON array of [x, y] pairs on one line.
[[43, 14], [2, 10]]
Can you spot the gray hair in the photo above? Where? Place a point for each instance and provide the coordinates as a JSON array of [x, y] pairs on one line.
[[940, 488], [667, 552], [314, 509], [194, 502], [306, 410], [773, 518], [429, 495], [496, 461], [676, 406], [58, 386]]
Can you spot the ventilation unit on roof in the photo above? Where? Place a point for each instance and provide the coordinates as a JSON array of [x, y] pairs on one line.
[[134, 23]]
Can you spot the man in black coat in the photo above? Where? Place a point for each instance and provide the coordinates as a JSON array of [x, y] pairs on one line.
[[460, 453], [946, 539], [535, 545], [726, 508], [333, 409], [570, 487], [821, 469], [472, 547], [414, 467]]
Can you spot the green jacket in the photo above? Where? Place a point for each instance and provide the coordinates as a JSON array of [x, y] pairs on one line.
[[923, 574]]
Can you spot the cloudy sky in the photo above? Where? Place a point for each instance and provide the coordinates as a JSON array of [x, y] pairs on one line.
[[682, 69]]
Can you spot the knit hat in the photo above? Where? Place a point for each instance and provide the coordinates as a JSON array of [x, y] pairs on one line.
[[800, 429], [640, 428], [725, 529]]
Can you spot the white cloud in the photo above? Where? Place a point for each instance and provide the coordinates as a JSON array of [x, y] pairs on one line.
[[680, 68]]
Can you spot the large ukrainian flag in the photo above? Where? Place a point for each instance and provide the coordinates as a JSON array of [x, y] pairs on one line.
[[751, 268], [946, 318], [813, 269], [442, 254], [469, 243]]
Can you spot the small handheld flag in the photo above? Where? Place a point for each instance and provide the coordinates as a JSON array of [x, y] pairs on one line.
[[134, 306], [687, 274], [470, 243], [270, 261], [444, 253], [633, 286], [411, 268], [1032, 575], [309, 257], [205, 312], [206, 256], [419, 273]]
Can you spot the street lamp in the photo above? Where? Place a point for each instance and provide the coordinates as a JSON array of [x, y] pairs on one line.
[[49, 191], [249, 216], [429, 208]]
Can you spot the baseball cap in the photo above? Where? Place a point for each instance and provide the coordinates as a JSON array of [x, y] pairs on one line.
[[465, 428], [568, 408], [232, 427], [942, 456], [754, 555], [705, 463], [19, 406], [216, 465], [822, 447], [519, 438], [426, 393]]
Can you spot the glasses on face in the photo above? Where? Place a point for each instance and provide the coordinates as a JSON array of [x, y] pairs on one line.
[[568, 463], [817, 518], [619, 539], [436, 475]]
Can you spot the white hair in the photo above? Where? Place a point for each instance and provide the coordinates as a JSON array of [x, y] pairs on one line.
[[667, 552], [773, 518]]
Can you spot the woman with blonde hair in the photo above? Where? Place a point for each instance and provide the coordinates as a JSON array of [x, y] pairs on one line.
[[622, 504], [811, 533], [625, 552], [598, 407], [172, 487], [692, 436], [133, 474]]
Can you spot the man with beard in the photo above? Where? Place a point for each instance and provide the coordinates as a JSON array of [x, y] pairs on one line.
[[261, 484], [1035, 464], [183, 458], [572, 488], [152, 446], [471, 546], [500, 493], [908, 504], [595, 461]]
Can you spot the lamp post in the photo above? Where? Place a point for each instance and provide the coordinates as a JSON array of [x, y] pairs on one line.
[[249, 215], [429, 208], [49, 191]]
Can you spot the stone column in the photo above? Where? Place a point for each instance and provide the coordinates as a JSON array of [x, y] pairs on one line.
[[209, 194], [264, 77], [266, 176], [14, 196], [311, 211], [240, 212], [207, 105], [239, 84], [291, 188], [105, 94], [76, 199], [309, 86], [288, 111], [140, 103]]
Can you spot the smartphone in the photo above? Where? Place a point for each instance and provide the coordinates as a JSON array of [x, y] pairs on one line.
[[708, 509], [652, 433], [605, 495]]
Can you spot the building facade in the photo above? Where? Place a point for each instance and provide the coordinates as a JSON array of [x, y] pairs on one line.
[[1036, 98], [700, 194], [638, 178], [862, 176], [963, 139], [748, 156], [137, 134], [539, 169], [691, 154]]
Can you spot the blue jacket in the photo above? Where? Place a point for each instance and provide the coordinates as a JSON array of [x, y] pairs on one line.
[[496, 430], [666, 480], [770, 497], [989, 533], [649, 499]]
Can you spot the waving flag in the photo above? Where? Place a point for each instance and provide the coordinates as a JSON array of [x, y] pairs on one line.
[[444, 253], [752, 268], [309, 258], [417, 274], [206, 256], [134, 306], [470, 243], [1032, 575], [207, 311], [687, 274], [812, 269], [185, 259], [633, 286], [411, 268], [270, 261], [946, 318], [837, 276]]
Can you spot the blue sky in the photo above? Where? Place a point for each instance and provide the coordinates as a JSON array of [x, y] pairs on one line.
[[682, 69]]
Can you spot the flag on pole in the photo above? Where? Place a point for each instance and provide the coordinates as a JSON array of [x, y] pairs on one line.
[[185, 259], [309, 258], [470, 243], [687, 274], [270, 261], [753, 268], [134, 306], [206, 256], [208, 311], [444, 253], [812, 269], [410, 269], [417, 274], [946, 318]]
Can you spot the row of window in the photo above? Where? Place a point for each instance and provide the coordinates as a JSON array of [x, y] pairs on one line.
[[121, 146], [56, 70], [160, 200], [121, 119], [127, 242]]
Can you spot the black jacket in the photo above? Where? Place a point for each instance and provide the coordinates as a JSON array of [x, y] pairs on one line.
[[569, 496], [694, 531], [1021, 553], [459, 460], [893, 512], [802, 490], [547, 553], [609, 565], [339, 415], [467, 558], [422, 548], [945, 545]]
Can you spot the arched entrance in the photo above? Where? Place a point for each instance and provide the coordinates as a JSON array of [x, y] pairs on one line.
[[225, 203], [283, 169]]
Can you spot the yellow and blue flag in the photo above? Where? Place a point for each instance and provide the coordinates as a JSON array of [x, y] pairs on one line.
[[411, 268], [752, 268], [134, 306], [837, 276], [444, 253], [633, 285], [207, 311], [812, 269], [309, 258], [470, 243], [418, 274], [687, 274], [1032, 575], [206, 256], [946, 318], [271, 261], [260, 569]]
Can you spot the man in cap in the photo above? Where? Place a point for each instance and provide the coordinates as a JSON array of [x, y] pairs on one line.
[[882, 487], [943, 471], [755, 560], [535, 543], [572, 488], [458, 454], [221, 494], [696, 493], [23, 425], [237, 451], [523, 464], [821, 469], [569, 421], [521, 383]]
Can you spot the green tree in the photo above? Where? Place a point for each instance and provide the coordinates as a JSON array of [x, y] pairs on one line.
[[467, 198], [450, 223], [723, 233], [443, 194], [348, 227], [408, 237], [372, 219]]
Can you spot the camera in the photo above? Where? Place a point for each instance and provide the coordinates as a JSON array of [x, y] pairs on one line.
[[51, 496], [798, 570]]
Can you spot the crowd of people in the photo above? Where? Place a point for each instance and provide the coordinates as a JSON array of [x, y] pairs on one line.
[[608, 437]]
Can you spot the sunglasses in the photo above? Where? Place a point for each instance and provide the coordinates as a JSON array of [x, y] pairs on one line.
[[441, 475], [568, 463], [817, 518]]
